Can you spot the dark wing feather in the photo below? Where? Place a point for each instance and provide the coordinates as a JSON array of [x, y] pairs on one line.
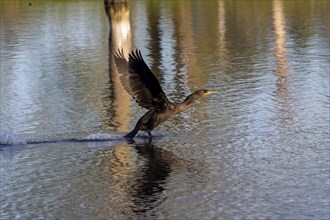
[[141, 83]]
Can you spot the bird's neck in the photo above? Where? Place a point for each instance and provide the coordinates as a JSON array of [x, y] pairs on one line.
[[187, 103]]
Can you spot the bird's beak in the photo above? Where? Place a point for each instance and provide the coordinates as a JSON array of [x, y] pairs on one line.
[[210, 92]]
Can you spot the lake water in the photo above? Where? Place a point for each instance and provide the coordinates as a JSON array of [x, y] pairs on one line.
[[258, 149]]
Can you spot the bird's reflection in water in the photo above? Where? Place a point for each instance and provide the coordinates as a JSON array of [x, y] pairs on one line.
[[149, 185], [136, 175], [134, 178]]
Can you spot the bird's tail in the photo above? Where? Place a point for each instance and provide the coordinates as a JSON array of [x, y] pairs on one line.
[[131, 134]]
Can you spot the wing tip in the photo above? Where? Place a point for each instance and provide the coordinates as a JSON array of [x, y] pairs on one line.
[[136, 55], [119, 53]]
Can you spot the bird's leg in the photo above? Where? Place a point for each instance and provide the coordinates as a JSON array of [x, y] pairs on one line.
[[131, 134], [150, 137]]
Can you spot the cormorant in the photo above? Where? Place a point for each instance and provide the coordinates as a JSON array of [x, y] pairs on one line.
[[138, 80]]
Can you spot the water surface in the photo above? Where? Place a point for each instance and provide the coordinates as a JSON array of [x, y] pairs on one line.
[[258, 149]]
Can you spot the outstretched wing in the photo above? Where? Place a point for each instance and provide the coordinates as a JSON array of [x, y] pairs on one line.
[[139, 81], [122, 67]]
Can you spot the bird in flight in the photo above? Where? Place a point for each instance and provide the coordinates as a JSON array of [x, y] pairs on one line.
[[138, 80]]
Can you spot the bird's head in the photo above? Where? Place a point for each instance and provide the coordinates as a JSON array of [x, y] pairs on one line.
[[203, 92], [189, 101]]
